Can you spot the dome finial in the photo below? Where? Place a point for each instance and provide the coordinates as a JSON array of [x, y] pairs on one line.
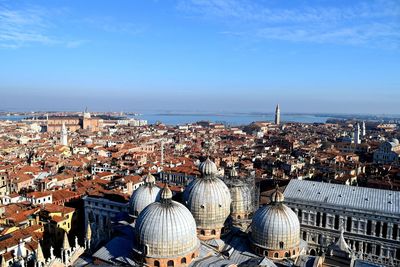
[[277, 196], [166, 194]]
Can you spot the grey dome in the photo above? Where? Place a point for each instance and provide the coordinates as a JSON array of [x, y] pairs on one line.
[[275, 226], [242, 199], [209, 201], [143, 196], [208, 168], [166, 229]]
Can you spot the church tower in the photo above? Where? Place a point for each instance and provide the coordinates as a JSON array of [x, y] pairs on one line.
[[64, 135], [357, 137], [363, 129], [277, 115]]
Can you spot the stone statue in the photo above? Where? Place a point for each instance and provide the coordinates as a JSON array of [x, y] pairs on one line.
[[51, 252]]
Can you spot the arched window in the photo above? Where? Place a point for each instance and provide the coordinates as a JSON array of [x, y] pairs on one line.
[[213, 232], [294, 252], [287, 254], [193, 256], [312, 252], [202, 232], [276, 255], [156, 263], [281, 245], [183, 260], [238, 217], [170, 263]]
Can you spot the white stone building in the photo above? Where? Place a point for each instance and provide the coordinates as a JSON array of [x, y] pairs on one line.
[[370, 218]]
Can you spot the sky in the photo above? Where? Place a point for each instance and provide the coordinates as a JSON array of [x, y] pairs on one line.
[[319, 56]]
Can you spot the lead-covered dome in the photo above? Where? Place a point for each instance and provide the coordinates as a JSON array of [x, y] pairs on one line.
[[209, 200], [167, 230], [275, 229], [144, 195], [242, 200]]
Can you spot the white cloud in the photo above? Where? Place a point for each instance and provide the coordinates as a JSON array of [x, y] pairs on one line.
[[75, 44], [20, 27], [370, 23], [31, 25], [112, 25]]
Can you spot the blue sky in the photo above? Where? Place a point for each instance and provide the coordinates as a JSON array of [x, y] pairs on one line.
[[201, 55]]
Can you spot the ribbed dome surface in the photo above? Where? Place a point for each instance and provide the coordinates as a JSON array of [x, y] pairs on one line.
[[208, 168], [209, 201], [242, 200], [277, 196], [166, 230], [274, 224], [142, 197]]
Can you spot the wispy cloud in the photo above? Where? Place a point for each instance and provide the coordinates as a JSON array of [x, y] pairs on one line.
[[373, 23], [111, 25], [30, 25], [76, 43], [19, 27]]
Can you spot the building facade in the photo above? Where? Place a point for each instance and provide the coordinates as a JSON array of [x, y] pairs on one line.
[[388, 152], [73, 123], [369, 217]]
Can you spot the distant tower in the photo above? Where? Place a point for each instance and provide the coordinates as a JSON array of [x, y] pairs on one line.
[[363, 129], [357, 132], [64, 135], [162, 152], [86, 114], [277, 115]]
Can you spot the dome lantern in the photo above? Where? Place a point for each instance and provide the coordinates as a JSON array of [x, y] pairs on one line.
[[166, 195], [277, 196], [208, 168]]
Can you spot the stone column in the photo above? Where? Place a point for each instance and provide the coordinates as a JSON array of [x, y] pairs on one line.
[[389, 232], [398, 232], [373, 249], [381, 230], [373, 227], [344, 223]]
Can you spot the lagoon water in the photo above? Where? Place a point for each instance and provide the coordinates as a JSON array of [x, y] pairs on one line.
[[231, 119]]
